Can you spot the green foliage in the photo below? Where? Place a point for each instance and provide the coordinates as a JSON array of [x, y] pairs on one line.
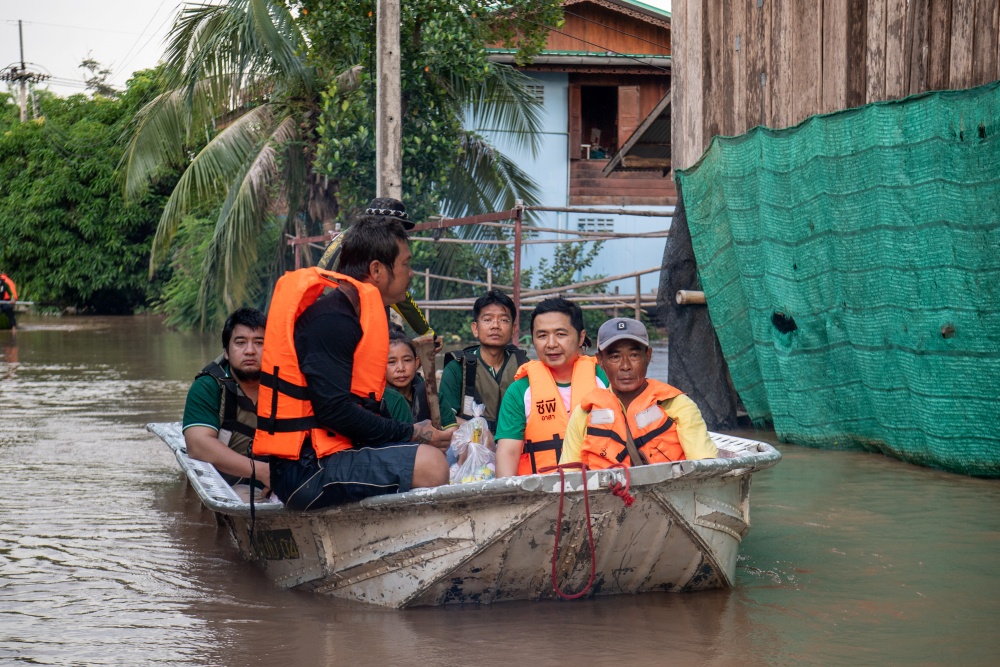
[[467, 262], [186, 299], [68, 237], [449, 88], [566, 268], [278, 114]]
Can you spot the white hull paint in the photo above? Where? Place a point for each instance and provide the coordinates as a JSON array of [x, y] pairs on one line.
[[492, 541]]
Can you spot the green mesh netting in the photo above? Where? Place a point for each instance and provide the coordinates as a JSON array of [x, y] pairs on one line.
[[852, 270]]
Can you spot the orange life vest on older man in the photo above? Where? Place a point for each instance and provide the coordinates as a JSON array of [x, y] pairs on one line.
[[653, 432], [284, 412], [545, 427]]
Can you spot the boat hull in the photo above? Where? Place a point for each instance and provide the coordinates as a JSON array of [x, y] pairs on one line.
[[493, 541]]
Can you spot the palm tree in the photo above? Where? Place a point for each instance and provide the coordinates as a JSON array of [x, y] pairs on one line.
[[240, 117]]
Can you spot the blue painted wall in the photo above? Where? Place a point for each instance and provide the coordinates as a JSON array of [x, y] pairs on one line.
[[550, 169]]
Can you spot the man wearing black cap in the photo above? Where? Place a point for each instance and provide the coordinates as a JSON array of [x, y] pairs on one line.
[[638, 420], [384, 208]]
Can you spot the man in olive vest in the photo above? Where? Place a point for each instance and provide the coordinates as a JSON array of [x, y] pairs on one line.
[[482, 373], [220, 414]]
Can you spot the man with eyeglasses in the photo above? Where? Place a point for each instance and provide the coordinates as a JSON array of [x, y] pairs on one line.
[[481, 373]]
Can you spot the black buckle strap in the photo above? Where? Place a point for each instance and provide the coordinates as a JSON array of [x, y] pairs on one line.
[[274, 382], [294, 424], [643, 440], [531, 448]]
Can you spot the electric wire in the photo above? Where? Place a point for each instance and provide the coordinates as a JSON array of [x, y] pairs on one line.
[[580, 39], [148, 23], [627, 34], [72, 27]]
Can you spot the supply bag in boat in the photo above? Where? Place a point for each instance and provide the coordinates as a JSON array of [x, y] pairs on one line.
[[473, 442]]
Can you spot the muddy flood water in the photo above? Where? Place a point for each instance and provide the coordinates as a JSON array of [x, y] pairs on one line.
[[107, 558]]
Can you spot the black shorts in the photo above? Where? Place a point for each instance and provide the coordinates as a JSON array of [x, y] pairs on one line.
[[309, 483]]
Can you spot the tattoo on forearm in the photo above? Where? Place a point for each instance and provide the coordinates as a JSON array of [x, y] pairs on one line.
[[423, 434]]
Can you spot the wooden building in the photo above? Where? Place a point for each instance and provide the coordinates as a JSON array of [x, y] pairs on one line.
[[601, 73], [615, 57], [738, 64], [743, 63]]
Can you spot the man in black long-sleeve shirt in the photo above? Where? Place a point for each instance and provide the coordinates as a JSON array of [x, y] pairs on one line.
[[385, 455]]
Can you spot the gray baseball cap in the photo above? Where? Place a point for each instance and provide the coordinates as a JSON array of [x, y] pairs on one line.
[[621, 328]]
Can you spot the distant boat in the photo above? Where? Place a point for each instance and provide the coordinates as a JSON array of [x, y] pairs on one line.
[[491, 541]]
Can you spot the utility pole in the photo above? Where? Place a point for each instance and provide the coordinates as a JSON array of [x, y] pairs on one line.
[[22, 76], [388, 103]]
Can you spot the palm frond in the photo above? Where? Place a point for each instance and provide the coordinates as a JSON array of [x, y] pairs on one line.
[[503, 104], [244, 212], [257, 43], [212, 173], [485, 180]]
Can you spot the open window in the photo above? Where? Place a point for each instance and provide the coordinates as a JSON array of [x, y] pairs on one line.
[[601, 119]]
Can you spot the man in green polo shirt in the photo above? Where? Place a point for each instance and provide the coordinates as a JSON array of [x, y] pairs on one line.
[[220, 413], [482, 373]]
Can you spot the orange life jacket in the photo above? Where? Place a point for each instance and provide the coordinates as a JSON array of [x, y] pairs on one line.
[[284, 412], [653, 432], [546, 424], [11, 287]]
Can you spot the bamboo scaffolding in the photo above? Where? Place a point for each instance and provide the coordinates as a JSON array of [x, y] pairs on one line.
[[606, 237]]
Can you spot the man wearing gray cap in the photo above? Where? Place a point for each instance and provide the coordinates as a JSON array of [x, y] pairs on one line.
[[638, 420]]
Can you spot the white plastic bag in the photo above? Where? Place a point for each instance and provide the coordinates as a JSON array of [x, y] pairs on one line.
[[473, 442]]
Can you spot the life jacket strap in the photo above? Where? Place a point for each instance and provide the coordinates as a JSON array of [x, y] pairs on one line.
[[643, 440], [531, 448]]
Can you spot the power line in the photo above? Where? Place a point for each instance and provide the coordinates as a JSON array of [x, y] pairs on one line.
[[148, 23], [604, 48], [72, 27], [627, 34]]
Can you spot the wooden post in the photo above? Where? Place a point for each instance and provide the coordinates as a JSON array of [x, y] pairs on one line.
[[616, 303], [638, 298], [425, 352], [518, 216], [427, 292], [489, 279], [388, 103]]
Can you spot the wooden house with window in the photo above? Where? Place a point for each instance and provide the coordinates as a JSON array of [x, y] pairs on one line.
[[600, 76]]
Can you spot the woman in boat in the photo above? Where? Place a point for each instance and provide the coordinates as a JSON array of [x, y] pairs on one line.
[[401, 374]]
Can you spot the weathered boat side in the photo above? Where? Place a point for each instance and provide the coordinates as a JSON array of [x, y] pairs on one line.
[[492, 541]]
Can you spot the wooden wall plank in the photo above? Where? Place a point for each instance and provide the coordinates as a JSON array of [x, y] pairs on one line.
[[680, 71], [807, 64], [694, 112], [767, 34], [780, 80], [918, 45], [939, 44], [723, 37], [834, 55], [712, 69], [755, 38], [985, 42], [896, 61], [876, 51], [738, 49], [962, 23], [856, 64]]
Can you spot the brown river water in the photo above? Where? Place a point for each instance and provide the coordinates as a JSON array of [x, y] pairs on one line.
[[107, 558]]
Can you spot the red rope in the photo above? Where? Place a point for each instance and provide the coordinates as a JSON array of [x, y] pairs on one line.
[[621, 490], [617, 489]]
